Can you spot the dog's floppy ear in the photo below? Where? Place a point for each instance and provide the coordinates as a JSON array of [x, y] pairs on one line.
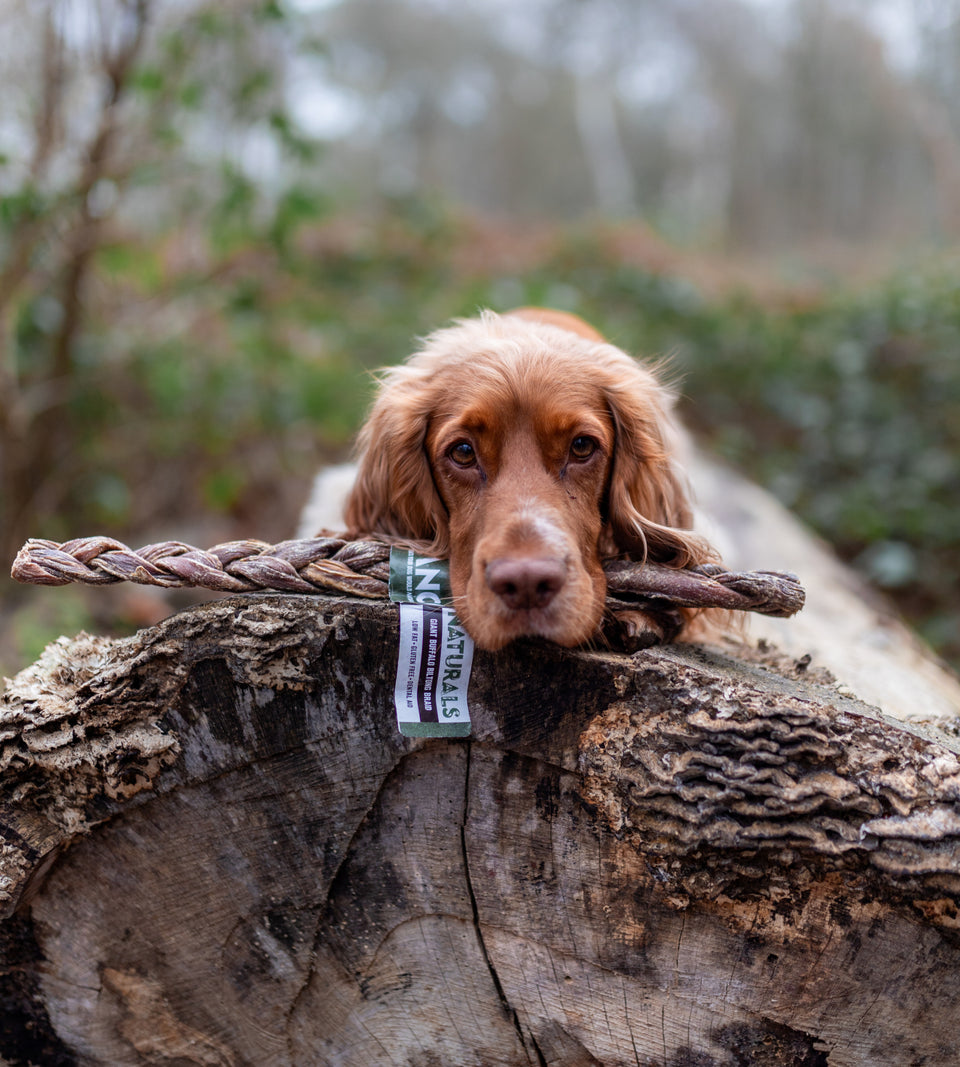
[[648, 511], [394, 494]]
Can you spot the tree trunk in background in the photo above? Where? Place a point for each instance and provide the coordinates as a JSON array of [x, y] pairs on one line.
[[603, 149], [669, 858]]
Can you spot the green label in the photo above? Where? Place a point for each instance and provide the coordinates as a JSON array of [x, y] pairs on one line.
[[435, 654], [418, 579]]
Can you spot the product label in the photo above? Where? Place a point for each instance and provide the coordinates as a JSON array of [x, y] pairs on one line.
[[436, 653]]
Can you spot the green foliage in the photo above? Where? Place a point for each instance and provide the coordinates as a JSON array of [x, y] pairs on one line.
[[36, 623], [24, 205], [296, 207]]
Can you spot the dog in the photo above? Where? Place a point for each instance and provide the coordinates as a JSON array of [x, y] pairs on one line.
[[526, 450]]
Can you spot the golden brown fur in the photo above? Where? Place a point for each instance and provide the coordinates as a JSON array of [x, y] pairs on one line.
[[527, 450]]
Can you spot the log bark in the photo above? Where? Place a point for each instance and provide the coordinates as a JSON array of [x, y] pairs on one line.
[[216, 848]]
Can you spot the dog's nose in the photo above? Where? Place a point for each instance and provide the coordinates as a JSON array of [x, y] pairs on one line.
[[526, 583]]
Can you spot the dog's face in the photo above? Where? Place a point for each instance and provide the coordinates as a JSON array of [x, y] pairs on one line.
[[523, 477], [526, 452]]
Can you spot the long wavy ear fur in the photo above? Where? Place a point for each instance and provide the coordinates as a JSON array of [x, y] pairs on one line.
[[648, 507], [394, 495]]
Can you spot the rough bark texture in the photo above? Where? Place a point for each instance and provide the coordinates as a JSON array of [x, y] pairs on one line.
[[217, 849]]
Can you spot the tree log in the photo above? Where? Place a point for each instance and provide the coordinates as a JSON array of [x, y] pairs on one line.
[[216, 848], [844, 626]]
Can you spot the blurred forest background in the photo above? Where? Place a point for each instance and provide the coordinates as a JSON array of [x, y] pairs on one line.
[[217, 217]]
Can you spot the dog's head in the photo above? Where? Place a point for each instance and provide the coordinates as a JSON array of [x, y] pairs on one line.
[[526, 449]]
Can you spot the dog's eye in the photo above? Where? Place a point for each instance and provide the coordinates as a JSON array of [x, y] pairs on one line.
[[463, 454], [582, 447]]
